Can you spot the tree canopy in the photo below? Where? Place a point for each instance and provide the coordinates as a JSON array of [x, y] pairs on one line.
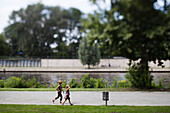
[[89, 54], [36, 29], [134, 29]]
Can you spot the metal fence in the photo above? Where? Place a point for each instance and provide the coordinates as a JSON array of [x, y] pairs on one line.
[[20, 63]]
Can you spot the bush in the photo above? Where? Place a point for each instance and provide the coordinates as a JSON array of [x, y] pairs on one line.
[[114, 85], [100, 83], [160, 84], [92, 83], [123, 84], [45, 86], [85, 81], [74, 84], [1, 83], [139, 76], [31, 83], [88, 82], [15, 82], [64, 83], [154, 84]]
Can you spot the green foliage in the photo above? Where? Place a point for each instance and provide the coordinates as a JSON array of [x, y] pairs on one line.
[[64, 84], [123, 84], [133, 29], [16, 82], [92, 83], [5, 49], [154, 84], [160, 84], [45, 86], [100, 83], [28, 28], [139, 77], [33, 83], [85, 81], [74, 84], [89, 54], [114, 85], [1, 83], [88, 82]]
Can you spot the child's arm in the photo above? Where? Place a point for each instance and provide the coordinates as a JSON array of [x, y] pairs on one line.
[[57, 89], [68, 88]]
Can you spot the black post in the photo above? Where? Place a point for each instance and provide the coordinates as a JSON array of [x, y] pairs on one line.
[[106, 102], [106, 96]]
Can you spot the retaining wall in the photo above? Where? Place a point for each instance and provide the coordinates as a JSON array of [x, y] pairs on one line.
[[53, 77]]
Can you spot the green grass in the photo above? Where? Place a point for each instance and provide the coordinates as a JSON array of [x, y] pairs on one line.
[[81, 89], [82, 109]]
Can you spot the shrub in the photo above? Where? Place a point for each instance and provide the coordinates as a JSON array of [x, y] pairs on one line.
[[92, 83], [88, 82], [123, 84], [31, 82], [154, 84], [160, 84], [114, 85], [52, 86], [85, 81], [100, 83], [22, 82], [1, 83], [45, 86], [139, 76], [12, 82], [74, 84], [64, 83]]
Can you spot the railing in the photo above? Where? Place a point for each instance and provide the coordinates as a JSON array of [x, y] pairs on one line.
[[20, 63]]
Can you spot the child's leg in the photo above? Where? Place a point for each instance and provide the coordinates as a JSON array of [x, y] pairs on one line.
[[70, 102], [64, 101], [55, 99], [61, 97]]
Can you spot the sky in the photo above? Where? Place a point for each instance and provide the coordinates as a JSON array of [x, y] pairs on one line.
[[7, 6]]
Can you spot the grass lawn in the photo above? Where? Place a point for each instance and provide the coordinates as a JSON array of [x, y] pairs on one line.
[[82, 109], [81, 89]]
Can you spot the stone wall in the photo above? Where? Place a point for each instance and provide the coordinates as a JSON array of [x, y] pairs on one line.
[[54, 77]]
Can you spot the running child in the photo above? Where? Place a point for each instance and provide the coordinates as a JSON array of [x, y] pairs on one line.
[[67, 95], [59, 89]]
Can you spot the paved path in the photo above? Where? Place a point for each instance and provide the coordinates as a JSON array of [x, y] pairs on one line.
[[87, 98]]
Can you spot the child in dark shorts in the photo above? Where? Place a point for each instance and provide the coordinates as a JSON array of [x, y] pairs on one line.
[[59, 89], [67, 95]]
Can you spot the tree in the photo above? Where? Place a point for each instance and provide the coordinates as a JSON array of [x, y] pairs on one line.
[[133, 29], [4, 51], [33, 30], [88, 54]]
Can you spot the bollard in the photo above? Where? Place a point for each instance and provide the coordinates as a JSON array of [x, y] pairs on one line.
[[106, 96]]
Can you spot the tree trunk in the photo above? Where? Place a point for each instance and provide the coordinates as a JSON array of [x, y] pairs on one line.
[[88, 66]]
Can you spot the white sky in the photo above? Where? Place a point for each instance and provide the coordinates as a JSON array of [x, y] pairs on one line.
[[7, 6]]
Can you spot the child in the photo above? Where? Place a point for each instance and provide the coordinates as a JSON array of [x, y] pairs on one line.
[[67, 95], [59, 89]]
